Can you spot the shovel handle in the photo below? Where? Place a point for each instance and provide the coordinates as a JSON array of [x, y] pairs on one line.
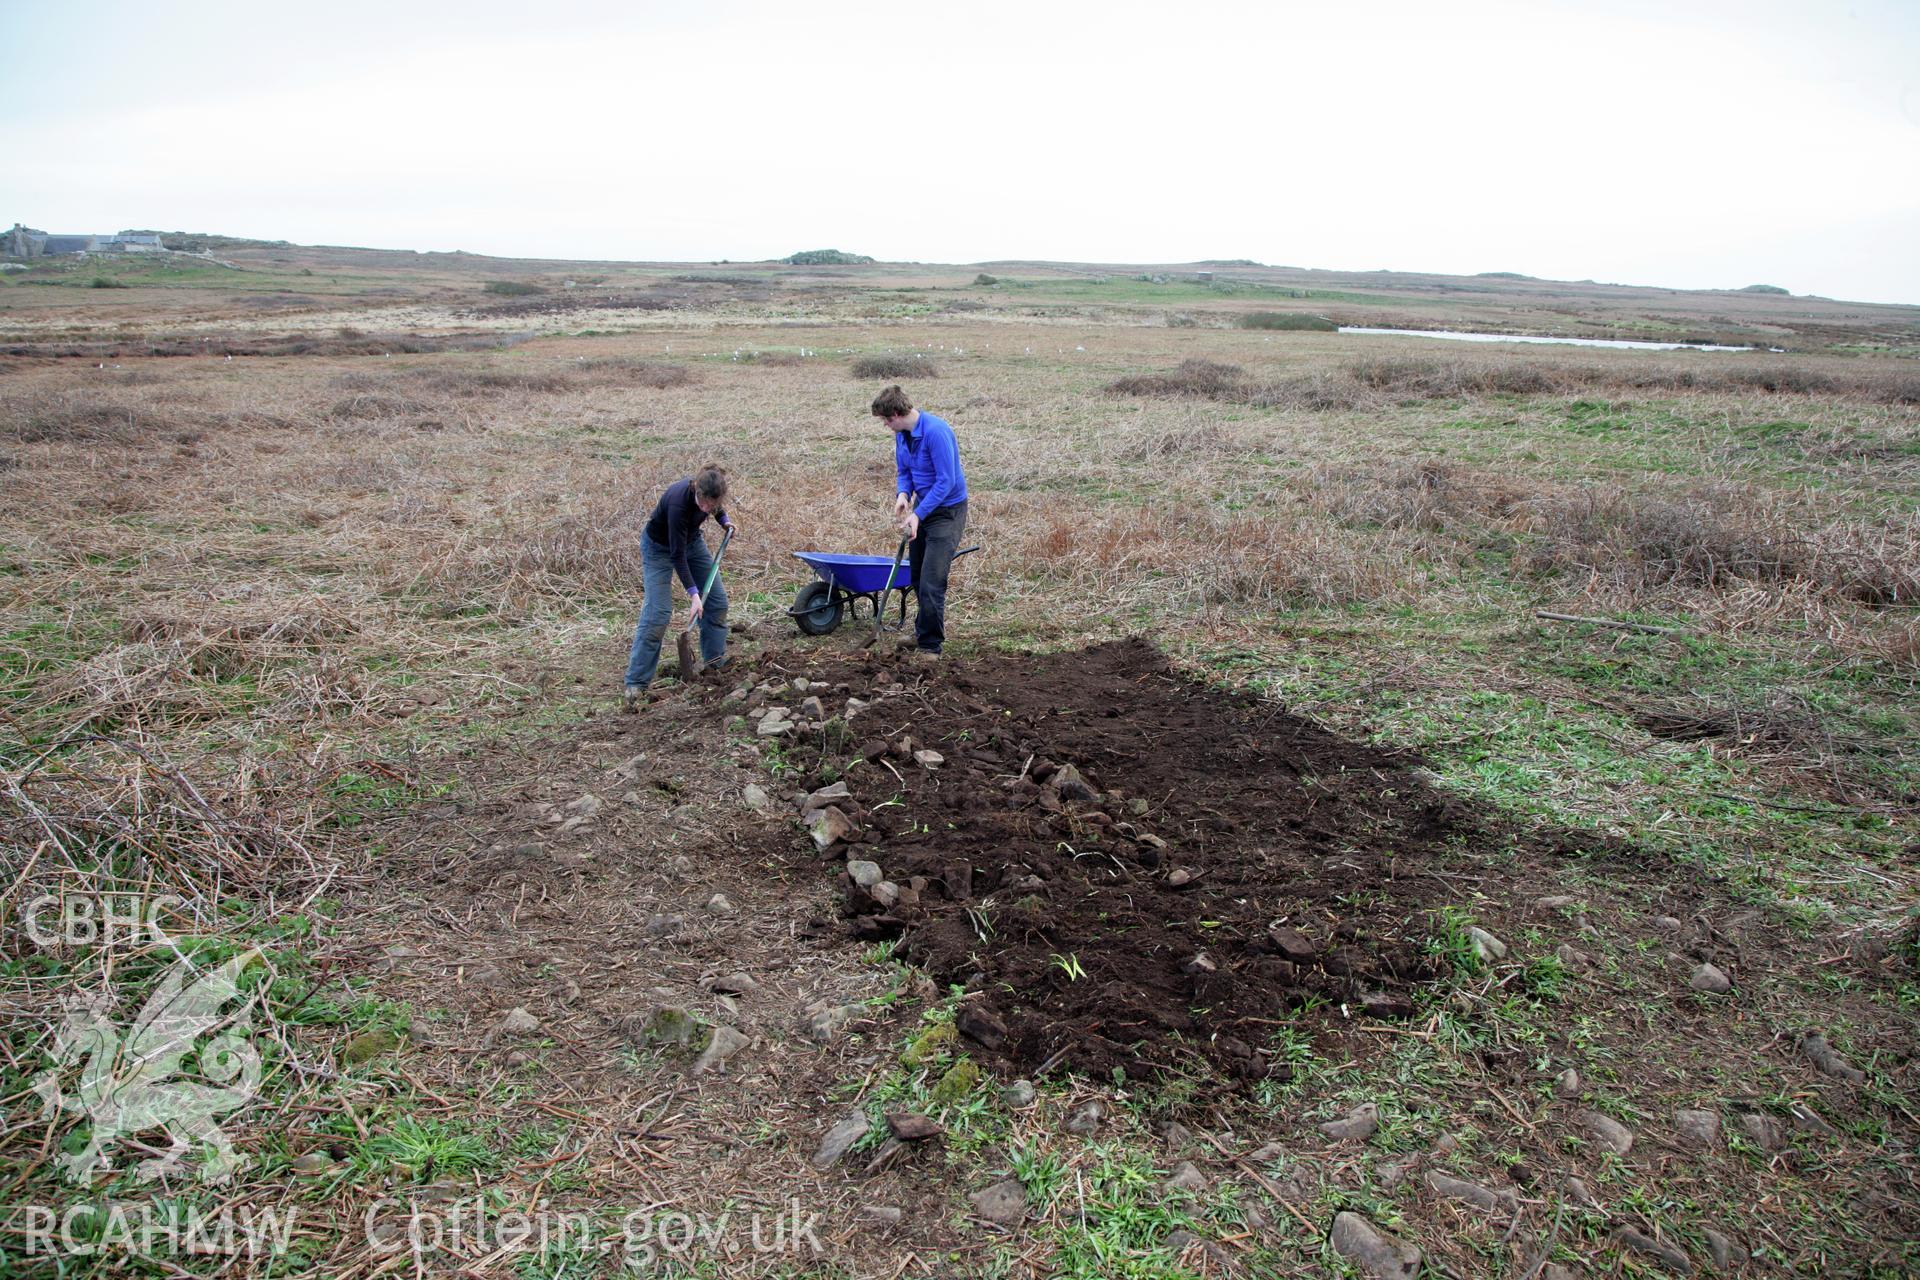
[[713, 573]]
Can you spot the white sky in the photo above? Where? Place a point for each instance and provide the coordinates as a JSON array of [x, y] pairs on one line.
[[1708, 145]]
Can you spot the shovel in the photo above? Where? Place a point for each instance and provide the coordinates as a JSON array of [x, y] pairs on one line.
[[880, 613], [691, 663]]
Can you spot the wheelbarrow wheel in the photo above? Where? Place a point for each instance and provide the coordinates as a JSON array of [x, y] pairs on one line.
[[815, 609]]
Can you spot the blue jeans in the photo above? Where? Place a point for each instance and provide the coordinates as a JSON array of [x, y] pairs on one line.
[[656, 573]]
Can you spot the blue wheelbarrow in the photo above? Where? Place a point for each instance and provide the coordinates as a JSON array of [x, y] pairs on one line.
[[846, 581]]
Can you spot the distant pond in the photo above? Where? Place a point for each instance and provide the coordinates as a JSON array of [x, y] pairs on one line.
[[1571, 342]]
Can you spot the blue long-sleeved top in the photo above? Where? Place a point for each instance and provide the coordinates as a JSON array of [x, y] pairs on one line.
[[927, 462], [675, 522]]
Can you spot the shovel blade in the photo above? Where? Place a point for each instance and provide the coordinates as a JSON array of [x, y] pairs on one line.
[[690, 662]]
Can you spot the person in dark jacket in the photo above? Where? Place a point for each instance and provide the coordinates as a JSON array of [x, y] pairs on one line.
[[672, 547], [930, 507]]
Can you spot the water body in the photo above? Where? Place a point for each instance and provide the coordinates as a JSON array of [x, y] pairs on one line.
[[1571, 342]]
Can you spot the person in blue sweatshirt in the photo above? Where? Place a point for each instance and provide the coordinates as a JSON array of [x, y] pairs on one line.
[[672, 547], [930, 507]]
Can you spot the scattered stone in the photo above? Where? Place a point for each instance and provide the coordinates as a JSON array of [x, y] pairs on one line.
[[1186, 1178], [1394, 1172], [978, 1023], [313, 1163], [1379, 1255], [1556, 902], [929, 759], [1567, 1084], [670, 1025], [886, 893], [1356, 1126], [930, 1046], [823, 1024], [1293, 944], [1668, 924], [962, 1078], [910, 1126], [1071, 786], [1152, 841], [1181, 877], [1178, 1137], [1608, 1132], [855, 706], [519, 1022], [1763, 1131], [1698, 1128], [865, 874], [1824, 1056], [801, 684], [1569, 957], [1018, 1096], [1665, 1252], [840, 1140], [1489, 948], [757, 797], [774, 726], [1470, 1192], [1085, 1118], [1726, 1252], [829, 826], [1267, 1154], [733, 984], [1554, 1271], [1386, 1004], [886, 1215], [813, 709], [1200, 965], [1004, 1203], [663, 926], [1181, 1240], [720, 905], [371, 1044], [726, 1042], [1804, 1117], [1138, 806], [1709, 979], [827, 795]]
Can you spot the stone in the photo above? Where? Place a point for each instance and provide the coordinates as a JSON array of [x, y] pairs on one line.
[[886, 1215], [1709, 979], [1727, 1253], [1085, 1118], [1356, 1126], [1071, 786], [823, 1024], [811, 708], [1267, 1153], [1569, 957], [929, 759], [1805, 1117], [1292, 944], [978, 1023], [733, 984], [369, 1045], [840, 1139], [824, 796], [519, 1022], [1471, 1193], [670, 1025], [886, 893], [1489, 948], [1828, 1060], [909, 1126], [720, 905], [1554, 1271], [1567, 1084], [1763, 1131], [663, 926], [1018, 1096], [1697, 1128], [312, 1164], [829, 826], [774, 726], [726, 1042], [1609, 1133], [1668, 924], [863, 873], [1186, 1178], [1394, 1172], [1377, 1254], [757, 797], [1003, 1204], [855, 706], [1386, 1004], [1556, 902], [1665, 1252], [1578, 1193], [801, 684], [1183, 877]]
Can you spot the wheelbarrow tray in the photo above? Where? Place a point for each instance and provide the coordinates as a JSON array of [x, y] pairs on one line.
[[860, 575]]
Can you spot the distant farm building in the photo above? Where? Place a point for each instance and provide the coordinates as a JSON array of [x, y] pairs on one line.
[[25, 242]]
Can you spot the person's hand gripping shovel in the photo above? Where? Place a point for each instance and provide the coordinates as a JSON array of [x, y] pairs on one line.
[[691, 663]]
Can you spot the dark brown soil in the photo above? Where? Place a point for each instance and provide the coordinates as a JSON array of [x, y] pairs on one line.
[[1299, 870]]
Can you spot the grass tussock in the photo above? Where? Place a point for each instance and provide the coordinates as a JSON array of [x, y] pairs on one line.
[[894, 366], [1208, 379], [1287, 320]]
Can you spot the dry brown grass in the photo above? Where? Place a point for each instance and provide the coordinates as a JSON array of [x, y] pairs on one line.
[[894, 366]]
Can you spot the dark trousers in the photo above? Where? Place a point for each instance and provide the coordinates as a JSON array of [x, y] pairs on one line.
[[931, 556]]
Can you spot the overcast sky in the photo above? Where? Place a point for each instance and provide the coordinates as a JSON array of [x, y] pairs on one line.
[[1709, 145]]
